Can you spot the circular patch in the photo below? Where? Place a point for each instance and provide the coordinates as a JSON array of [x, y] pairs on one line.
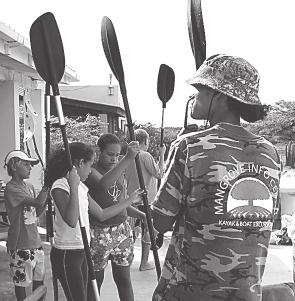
[[249, 199]]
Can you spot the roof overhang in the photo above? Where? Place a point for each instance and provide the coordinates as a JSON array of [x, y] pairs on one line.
[[97, 98], [80, 106], [16, 58]]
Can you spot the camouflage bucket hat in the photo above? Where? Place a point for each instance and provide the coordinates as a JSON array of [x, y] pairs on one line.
[[232, 76]]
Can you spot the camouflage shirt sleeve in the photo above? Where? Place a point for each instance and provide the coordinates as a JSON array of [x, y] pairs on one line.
[[175, 186]]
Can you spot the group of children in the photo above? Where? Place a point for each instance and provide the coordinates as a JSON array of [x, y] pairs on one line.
[[219, 245], [92, 190]]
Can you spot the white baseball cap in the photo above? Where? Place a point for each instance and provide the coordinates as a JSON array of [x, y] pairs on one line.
[[21, 155]]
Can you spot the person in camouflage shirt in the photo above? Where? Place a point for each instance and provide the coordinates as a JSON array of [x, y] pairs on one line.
[[220, 192]]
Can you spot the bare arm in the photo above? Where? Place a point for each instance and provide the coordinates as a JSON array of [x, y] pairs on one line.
[[156, 170], [68, 204], [134, 212], [162, 162], [106, 213], [112, 175], [39, 201], [41, 209]]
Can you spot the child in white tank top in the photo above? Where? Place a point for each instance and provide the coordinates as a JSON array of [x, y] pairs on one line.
[[72, 201]]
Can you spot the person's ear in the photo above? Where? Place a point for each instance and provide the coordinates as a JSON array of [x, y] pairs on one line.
[[81, 161], [220, 98], [14, 164], [219, 95], [77, 163]]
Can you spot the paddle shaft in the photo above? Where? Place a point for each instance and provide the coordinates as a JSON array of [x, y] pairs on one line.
[[141, 181], [49, 227], [162, 127], [82, 226], [47, 120], [112, 52], [49, 213], [48, 54], [89, 260]]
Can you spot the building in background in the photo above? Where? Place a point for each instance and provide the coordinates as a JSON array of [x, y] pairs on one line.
[[103, 101], [18, 74]]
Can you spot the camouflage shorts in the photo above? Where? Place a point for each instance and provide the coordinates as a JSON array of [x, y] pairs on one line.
[[27, 266], [114, 243]]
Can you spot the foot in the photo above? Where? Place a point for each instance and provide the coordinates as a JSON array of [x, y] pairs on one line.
[[147, 266]]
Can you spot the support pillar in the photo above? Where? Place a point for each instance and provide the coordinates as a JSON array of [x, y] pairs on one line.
[[9, 122]]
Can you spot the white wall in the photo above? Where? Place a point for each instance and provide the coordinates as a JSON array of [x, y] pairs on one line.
[[287, 203], [9, 122], [10, 127]]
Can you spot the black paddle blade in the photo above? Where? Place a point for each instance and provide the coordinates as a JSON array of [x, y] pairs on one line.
[[166, 81], [111, 48], [47, 48], [196, 31]]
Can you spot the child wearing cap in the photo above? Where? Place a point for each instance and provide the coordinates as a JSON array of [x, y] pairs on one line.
[[23, 207]]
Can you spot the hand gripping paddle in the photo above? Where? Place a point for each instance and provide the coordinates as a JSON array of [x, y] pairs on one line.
[[49, 59], [112, 53]]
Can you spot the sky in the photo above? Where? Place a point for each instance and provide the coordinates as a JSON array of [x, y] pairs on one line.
[[155, 32]]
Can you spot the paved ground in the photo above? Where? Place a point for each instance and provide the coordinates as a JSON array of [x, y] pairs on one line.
[[278, 269]]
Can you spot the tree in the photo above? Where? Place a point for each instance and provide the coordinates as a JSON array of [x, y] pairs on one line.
[[83, 129], [170, 134], [279, 125]]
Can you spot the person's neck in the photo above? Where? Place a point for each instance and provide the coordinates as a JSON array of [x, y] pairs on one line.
[[101, 168], [142, 147], [18, 180], [231, 119]]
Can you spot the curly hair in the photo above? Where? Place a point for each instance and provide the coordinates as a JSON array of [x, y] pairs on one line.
[[58, 165], [106, 139], [248, 112]]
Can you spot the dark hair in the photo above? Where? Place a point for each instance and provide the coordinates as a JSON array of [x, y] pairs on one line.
[[58, 164], [141, 136], [10, 163], [106, 139], [248, 112]]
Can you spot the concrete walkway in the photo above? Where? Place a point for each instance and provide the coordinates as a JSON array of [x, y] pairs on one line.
[[143, 282], [279, 268]]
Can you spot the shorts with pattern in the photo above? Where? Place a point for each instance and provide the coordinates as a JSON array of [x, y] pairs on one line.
[[114, 243], [27, 266]]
